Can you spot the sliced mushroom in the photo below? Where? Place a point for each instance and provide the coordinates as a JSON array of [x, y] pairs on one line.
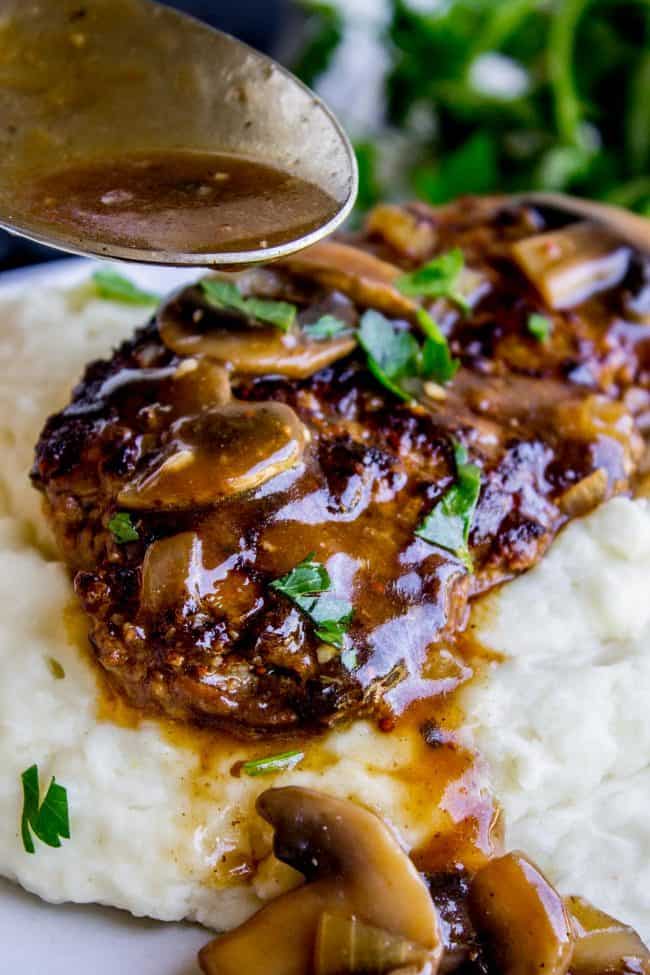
[[354, 868], [198, 383], [520, 918], [190, 327], [569, 265], [365, 278], [603, 944], [217, 453], [346, 944]]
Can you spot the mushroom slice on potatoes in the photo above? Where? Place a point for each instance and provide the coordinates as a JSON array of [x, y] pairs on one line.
[[603, 944], [520, 918], [356, 872]]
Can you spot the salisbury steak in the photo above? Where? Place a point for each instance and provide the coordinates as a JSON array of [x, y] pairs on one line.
[[245, 432]]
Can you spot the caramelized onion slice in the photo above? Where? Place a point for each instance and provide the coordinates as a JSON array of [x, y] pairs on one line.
[[521, 918], [346, 944], [603, 944], [189, 327], [585, 495], [217, 453], [408, 232], [567, 266], [354, 867], [365, 278]]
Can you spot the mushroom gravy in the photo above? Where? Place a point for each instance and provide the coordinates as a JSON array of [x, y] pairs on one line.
[[181, 201]]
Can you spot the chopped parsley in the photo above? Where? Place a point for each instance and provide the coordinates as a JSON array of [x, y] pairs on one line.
[[55, 668], [308, 586], [226, 294], [395, 357], [448, 525], [539, 326], [122, 528], [49, 820], [112, 286], [327, 327], [437, 278], [272, 763]]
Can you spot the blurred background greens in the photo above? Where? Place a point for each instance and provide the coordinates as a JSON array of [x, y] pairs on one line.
[[473, 96]]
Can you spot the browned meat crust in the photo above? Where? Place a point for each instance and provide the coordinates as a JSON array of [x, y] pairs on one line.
[[183, 619]]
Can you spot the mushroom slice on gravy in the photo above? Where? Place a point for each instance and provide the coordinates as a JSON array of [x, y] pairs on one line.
[[568, 265], [520, 918], [222, 451], [357, 273], [190, 327], [354, 869]]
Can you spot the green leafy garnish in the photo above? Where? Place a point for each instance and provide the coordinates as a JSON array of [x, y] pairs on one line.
[[55, 668], [488, 96], [122, 528], [437, 278], [226, 295], [449, 524], [308, 586], [392, 354], [272, 763], [112, 286], [327, 327], [395, 357], [437, 362], [49, 821], [540, 326]]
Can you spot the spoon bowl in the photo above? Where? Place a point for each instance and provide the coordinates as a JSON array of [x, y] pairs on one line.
[[83, 81]]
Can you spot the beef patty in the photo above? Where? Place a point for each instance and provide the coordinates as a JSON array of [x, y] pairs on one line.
[[233, 450]]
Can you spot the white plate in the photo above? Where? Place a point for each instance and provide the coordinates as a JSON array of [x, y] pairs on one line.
[[43, 939]]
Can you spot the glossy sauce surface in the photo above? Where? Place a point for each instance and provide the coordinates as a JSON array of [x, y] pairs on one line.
[[181, 201]]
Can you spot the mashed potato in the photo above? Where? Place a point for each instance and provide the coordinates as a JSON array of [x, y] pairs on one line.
[[161, 826], [565, 721]]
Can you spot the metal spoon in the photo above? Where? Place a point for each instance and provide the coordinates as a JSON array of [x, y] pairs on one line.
[[83, 79]]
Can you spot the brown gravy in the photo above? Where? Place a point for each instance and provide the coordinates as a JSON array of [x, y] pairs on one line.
[[181, 201]]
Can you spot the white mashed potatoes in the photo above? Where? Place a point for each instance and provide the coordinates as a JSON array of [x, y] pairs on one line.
[[565, 721], [164, 829]]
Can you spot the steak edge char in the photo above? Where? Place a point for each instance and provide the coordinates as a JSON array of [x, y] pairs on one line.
[[239, 450]]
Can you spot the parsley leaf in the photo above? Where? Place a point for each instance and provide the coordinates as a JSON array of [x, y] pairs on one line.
[[122, 528], [272, 763], [392, 354], [308, 587], [112, 286], [395, 357], [449, 524], [437, 278], [539, 326], [437, 362], [55, 668], [49, 821], [327, 327], [226, 294]]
